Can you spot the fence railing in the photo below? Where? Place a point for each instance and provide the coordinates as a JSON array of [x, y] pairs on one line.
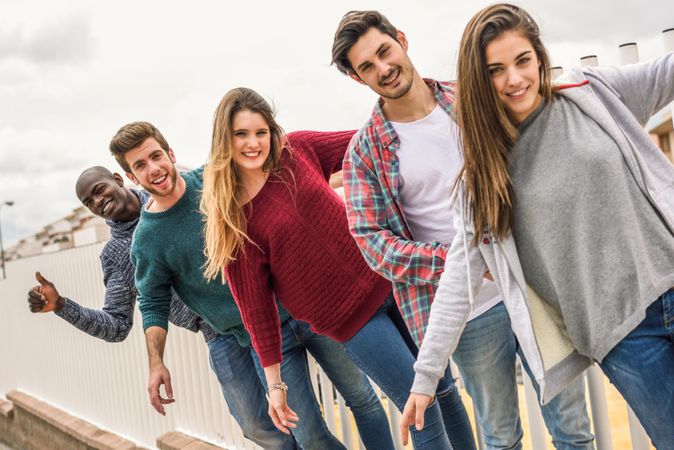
[[105, 383]]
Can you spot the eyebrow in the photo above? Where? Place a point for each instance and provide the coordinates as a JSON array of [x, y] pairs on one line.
[[516, 58], [360, 66]]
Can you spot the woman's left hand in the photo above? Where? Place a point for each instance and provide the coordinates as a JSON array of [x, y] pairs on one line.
[[413, 414], [279, 411]]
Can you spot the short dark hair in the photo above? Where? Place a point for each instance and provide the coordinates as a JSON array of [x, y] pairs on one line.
[[131, 136], [353, 25]]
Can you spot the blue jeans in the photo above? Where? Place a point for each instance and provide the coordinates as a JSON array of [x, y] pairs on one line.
[[245, 396], [312, 433], [641, 367], [385, 351], [486, 359]]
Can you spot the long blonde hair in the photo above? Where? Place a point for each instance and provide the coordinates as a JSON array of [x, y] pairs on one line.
[[221, 204], [487, 132]]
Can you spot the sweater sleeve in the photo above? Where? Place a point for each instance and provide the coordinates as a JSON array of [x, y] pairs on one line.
[[113, 322], [450, 309], [153, 281], [329, 147], [250, 282], [390, 255], [181, 315], [645, 88]]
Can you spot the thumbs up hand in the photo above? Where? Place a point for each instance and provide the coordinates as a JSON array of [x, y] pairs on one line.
[[44, 297]]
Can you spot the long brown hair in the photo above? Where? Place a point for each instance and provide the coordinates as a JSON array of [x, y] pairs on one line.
[[487, 131], [221, 202]]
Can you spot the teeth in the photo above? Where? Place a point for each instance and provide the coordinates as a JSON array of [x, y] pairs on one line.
[[106, 207], [251, 154], [390, 77], [159, 180], [516, 93]]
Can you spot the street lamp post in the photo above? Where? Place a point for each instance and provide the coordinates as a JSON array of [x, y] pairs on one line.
[[2, 250]]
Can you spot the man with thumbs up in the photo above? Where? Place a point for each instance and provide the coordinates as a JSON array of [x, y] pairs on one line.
[[105, 195]]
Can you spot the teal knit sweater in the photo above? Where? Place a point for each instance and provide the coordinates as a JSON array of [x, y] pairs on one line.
[[167, 251]]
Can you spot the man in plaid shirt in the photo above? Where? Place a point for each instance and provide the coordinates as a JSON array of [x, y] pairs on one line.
[[398, 175]]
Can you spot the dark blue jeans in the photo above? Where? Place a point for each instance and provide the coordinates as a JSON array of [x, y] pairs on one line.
[[245, 396], [312, 433], [385, 351], [641, 367]]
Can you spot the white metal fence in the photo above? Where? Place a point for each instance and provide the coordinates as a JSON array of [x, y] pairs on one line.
[[105, 383]]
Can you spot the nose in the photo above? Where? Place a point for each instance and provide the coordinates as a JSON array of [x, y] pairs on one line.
[[383, 67], [514, 76], [98, 202], [153, 167], [252, 142]]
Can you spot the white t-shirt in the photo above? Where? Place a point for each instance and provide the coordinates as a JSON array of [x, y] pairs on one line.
[[428, 162]]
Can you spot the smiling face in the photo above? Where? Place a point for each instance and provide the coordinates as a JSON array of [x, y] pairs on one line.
[[514, 69], [104, 194], [381, 62], [251, 141], [153, 168]]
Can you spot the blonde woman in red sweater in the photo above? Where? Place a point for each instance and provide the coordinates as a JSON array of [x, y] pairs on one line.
[[277, 230]]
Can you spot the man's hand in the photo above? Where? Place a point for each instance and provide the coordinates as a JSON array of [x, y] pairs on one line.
[[159, 375], [279, 411], [413, 414], [44, 297]]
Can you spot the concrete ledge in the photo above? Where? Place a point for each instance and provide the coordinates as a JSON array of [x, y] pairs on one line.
[[34, 424], [6, 409], [175, 440]]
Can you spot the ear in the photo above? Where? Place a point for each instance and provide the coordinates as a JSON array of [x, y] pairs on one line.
[[131, 177], [355, 77], [118, 179], [171, 155], [402, 39]]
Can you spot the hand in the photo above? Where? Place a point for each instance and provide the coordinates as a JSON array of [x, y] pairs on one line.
[[159, 375], [44, 297], [279, 411], [413, 414]]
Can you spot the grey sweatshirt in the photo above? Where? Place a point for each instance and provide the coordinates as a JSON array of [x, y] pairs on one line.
[[620, 101], [113, 322]]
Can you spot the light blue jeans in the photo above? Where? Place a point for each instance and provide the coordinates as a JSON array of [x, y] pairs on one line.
[[384, 349], [641, 367], [486, 359], [312, 433]]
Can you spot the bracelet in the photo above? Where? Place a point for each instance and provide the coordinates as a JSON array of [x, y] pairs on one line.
[[278, 386]]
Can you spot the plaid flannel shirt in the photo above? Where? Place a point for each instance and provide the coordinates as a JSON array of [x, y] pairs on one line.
[[376, 220]]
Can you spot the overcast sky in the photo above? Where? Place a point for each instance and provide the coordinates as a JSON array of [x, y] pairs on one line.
[[73, 72]]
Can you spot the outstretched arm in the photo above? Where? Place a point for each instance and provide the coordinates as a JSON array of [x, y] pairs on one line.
[[329, 147], [645, 88], [112, 323]]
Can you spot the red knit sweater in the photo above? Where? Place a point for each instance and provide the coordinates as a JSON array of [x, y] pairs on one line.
[[304, 254]]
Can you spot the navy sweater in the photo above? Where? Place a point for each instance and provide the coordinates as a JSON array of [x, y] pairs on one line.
[[114, 321]]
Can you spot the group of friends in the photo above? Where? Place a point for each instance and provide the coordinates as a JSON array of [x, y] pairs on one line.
[[503, 214]]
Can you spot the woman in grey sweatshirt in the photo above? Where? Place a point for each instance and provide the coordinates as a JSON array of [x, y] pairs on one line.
[[568, 173]]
